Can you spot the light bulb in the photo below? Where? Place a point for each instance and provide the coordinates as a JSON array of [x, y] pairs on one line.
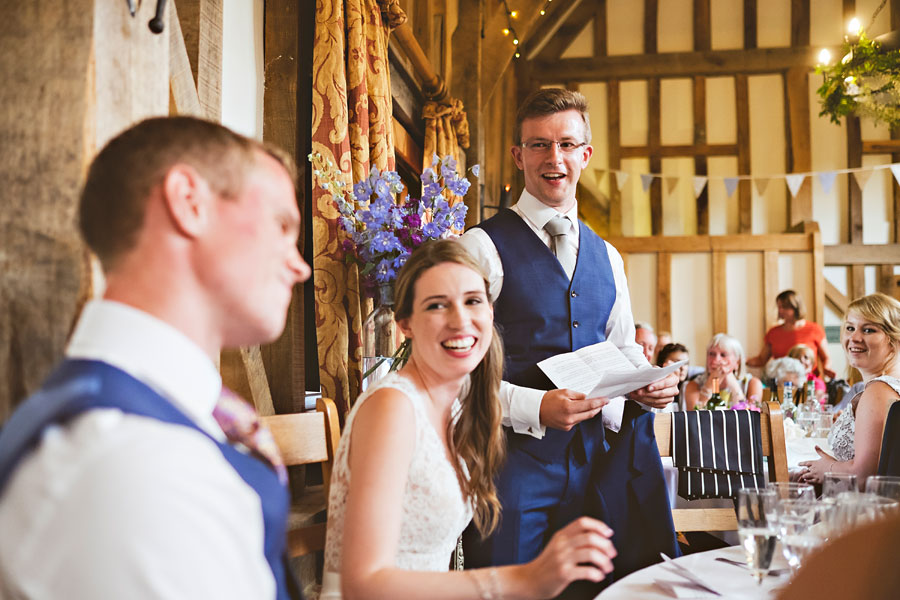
[[824, 56], [543, 12], [854, 27], [518, 55], [516, 42], [505, 31], [514, 14]]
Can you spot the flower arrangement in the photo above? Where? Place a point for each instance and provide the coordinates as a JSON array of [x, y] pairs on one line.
[[384, 230], [865, 82]]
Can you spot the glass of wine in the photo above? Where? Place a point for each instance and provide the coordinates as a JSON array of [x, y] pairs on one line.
[[757, 532]]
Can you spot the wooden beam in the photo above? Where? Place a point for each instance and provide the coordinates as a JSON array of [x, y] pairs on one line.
[[719, 292], [653, 119], [750, 19], [181, 77], [818, 273], [466, 82], [696, 150], [600, 35], [663, 291], [700, 160], [891, 146], [854, 196], [742, 100], [886, 279], [406, 146], [615, 155], [651, 15], [796, 85], [574, 24], [857, 281], [783, 242], [800, 23], [836, 299], [201, 24], [862, 254], [770, 285], [702, 29], [676, 64]]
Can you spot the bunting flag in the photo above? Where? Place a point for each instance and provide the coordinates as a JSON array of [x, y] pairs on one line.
[[621, 178], [895, 169], [761, 184], [794, 181], [699, 184], [730, 185], [826, 178], [862, 178], [646, 180], [671, 183], [599, 173]]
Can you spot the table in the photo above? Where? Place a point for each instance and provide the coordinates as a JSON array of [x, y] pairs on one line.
[[730, 580]]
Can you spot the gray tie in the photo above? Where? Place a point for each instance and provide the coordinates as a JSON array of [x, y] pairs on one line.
[[558, 227]]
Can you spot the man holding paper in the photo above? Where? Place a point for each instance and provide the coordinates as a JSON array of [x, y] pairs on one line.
[[558, 288]]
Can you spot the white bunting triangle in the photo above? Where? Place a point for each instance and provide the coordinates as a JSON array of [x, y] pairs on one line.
[[761, 184], [646, 180], [730, 185], [671, 183], [895, 169], [794, 181], [699, 184], [621, 178], [826, 178], [862, 178]]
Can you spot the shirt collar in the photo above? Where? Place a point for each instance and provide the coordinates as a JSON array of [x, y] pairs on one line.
[[539, 213], [150, 350]]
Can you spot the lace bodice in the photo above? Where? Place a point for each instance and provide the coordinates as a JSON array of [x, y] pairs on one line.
[[844, 430], [434, 510]]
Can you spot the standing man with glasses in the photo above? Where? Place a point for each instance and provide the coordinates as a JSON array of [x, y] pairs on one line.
[[559, 287]]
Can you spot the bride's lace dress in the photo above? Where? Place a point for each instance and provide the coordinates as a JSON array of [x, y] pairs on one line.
[[434, 512], [841, 436]]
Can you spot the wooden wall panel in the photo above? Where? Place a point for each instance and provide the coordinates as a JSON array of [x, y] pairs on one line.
[[742, 99]]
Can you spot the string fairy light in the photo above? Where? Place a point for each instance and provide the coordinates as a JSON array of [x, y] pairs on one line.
[[510, 30]]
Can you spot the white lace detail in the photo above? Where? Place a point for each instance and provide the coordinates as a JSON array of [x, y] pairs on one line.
[[844, 430], [434, 511]]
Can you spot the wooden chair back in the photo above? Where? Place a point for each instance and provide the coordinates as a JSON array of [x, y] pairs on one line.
[[724, 519], [306, 438]]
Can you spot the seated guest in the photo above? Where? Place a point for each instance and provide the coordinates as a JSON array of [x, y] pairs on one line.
[[805, 355], [724, 363], [663, 338], [646, 339], [420, 450], [780, 370], [672, 353], [117, 479], [794, 329], [870, 336]]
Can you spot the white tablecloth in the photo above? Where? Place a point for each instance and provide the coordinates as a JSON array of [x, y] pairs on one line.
[[729, 580]]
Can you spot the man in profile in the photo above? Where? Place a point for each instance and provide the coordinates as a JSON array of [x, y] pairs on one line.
[[646, 339], [116, 478]]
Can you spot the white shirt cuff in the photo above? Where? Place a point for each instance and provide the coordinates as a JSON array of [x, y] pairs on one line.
[[613, 413], [525, 411]]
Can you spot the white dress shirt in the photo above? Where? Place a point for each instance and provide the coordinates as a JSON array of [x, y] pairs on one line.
[[521, 405], [113, 505]]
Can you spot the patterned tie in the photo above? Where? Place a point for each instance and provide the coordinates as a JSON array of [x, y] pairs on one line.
[[558, 227], [241, 424]]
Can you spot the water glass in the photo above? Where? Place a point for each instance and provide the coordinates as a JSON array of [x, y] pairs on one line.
[[792, 490], [836, 483], [824, 421], [758, 534], [886, 486], [799, 537]]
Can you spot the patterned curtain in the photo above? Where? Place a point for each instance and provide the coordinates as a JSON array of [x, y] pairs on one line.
[[351, 126], [446, 129]]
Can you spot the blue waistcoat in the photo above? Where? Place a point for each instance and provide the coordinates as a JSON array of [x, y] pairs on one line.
[[77, 386], [540, 313]]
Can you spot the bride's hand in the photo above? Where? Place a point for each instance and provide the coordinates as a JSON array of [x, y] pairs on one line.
[[580, 550]]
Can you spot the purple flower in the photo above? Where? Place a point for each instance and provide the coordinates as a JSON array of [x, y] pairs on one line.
[[380, 208], [417, 239], [382, 189], [440, 205], [384, 271], [431, 190], [400, 260], [458, 186], [347, 224], [432, 230], [385, 241], [476, 170], [362, 191], [458, 215], [428, 176], [348, 247], [412, 220]]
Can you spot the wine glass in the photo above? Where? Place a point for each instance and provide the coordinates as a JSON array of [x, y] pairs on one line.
[[758, 534], [886, 486], [796, 518], [835, 483]]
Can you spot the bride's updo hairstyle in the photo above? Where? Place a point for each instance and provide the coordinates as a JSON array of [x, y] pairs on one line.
[[476, 436]]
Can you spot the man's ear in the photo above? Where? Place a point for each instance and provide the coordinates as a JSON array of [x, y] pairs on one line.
[[587, 150], [187, 198], [517, 156]]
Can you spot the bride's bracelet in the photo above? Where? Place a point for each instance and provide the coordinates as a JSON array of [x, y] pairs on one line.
[[487, 582]]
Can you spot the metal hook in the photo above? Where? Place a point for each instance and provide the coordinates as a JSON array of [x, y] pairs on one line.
[[132, 8], [158, 23]]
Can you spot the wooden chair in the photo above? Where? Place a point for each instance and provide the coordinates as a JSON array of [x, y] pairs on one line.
[[724, 519], [306, 438]]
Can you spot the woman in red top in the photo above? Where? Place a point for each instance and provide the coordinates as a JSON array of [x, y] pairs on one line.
[[794, 329]]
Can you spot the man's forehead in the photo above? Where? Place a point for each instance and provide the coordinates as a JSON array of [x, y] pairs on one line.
[[569, 121]]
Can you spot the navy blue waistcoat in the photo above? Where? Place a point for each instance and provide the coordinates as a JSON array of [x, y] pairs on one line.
[[540, 313], [77, 386]]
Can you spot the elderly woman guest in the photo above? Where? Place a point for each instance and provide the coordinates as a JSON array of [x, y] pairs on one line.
[[783, 369], [725, 363], [870, 336], [420, 450], [794, 329]]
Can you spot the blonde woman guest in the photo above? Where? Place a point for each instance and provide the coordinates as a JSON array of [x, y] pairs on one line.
[[419, 454], [724, 363], [794, 329], [870, 336]]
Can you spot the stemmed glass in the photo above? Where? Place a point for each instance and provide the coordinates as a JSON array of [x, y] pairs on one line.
[[836, 483], [757, 532], [886, 486], [796, 518]]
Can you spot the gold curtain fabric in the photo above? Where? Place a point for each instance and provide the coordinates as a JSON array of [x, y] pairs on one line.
[[351, 126], [446, 129]]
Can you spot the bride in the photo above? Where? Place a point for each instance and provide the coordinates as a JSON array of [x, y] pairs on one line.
[[420, 450]]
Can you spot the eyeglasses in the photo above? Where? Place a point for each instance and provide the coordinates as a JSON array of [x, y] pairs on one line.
[[544, 146]]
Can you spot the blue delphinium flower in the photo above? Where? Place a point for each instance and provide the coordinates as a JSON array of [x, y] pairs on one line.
[[382, 189], [458, 186], [432, 230], [476, 170], [459, 215], [385, 241], [384, 271], [362, 190]]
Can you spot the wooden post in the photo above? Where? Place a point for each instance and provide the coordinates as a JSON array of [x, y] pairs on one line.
[[615, 162], [742, 98], [796, 85], [467, 86]]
